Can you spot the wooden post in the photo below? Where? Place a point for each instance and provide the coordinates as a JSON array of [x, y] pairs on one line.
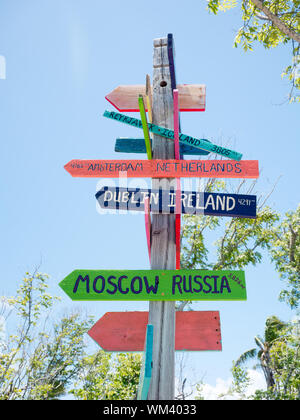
[[163, 250]]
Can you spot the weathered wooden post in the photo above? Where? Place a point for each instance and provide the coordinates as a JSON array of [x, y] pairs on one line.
[[163, 250]]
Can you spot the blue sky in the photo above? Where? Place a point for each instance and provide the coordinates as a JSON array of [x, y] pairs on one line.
[[62, 58]]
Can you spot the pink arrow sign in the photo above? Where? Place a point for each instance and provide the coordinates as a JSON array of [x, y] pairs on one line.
[[125, 97]]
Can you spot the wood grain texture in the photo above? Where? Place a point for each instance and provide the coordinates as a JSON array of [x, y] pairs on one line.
[[125, 97], [125, 331], [149, 98], [163, 249]]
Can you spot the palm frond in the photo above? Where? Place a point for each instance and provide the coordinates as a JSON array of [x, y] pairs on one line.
[[249, 354]]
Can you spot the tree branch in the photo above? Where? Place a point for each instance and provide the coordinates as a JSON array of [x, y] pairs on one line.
[[276, 20]]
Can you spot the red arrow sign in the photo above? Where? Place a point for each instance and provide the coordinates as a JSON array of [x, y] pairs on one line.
[[171, 168], [125, 331]]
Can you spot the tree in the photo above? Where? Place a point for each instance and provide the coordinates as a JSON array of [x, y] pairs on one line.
[[285, 361], [43, 359], [285, 252], [271, 23], [262, 352], [107, 377], [36, 363], [241, 241], [278, 356]]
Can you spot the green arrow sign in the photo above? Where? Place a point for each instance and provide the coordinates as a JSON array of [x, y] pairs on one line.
[[155, 285]]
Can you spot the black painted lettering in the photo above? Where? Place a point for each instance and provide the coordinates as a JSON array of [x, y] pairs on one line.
[[151, 289], [199, 283], [140, 285], [85, 279], [225, 285], [176, 283], [207, 284], [124, 292], [109, 281], [95, 284]]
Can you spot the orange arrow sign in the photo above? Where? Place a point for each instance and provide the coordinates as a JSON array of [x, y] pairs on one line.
[[125, 331], [158, 168], [125, 97]]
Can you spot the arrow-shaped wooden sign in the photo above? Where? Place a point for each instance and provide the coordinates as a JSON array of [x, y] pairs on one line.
[[157, 168], [169, 134], [155, 285], [125, 331], [125, 98], [162, 201]]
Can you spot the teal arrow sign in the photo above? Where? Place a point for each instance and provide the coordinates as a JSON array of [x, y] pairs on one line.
[[169, 134]]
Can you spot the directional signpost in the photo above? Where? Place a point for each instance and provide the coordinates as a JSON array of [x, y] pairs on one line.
[[162, 330], [125, 331]]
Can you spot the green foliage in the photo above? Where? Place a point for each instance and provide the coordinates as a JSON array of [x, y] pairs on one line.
[[257, 27], [56, 361], [242, 242], [285, 365], [42, 362], [91, 383], [240, 382], [105, 377], [239, 245], [285, 252], [35, 364], [278, 357]]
